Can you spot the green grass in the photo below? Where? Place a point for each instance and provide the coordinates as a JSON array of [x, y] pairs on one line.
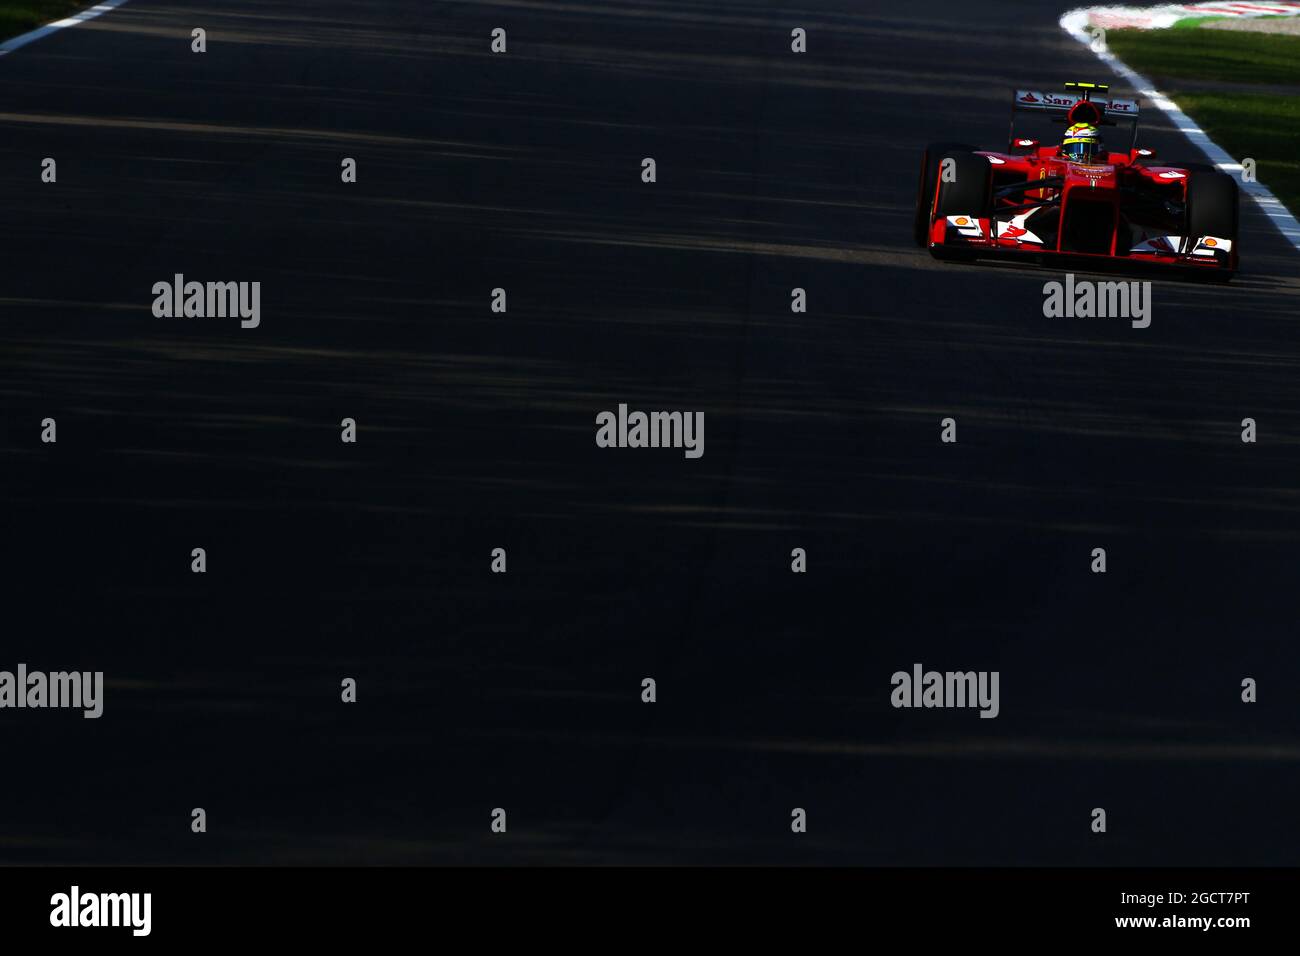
[[1264, 128], [1210, 55], [19, 16], [1191, 23]]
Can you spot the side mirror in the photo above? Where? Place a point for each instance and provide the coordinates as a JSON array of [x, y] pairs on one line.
[[1143, 152], [1023, 145]]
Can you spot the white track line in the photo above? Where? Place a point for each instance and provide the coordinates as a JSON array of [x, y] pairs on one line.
[[1074, 23], [33, 35]]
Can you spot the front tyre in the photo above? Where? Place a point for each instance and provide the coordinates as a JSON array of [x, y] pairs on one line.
[[969, 190], [1212, 210], [927, 176]]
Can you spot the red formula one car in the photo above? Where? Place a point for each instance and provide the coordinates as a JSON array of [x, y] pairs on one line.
[[1076, 199]]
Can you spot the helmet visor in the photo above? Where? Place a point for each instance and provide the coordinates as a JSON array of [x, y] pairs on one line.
[[1084, 152]]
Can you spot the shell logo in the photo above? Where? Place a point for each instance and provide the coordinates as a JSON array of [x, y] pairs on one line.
[[1211, 242], [962, 221]]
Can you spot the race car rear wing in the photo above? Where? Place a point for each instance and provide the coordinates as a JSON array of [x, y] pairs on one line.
[[1032, 101], [1057, 106]]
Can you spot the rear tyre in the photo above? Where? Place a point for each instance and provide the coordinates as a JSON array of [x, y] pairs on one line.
[[927, 176]]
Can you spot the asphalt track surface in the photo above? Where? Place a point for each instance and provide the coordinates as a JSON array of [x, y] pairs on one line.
[[477, 431]]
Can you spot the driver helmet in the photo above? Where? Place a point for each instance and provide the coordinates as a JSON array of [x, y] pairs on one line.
[[1083, 144]]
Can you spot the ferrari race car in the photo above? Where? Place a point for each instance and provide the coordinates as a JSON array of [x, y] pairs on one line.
[[1062, 202]]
